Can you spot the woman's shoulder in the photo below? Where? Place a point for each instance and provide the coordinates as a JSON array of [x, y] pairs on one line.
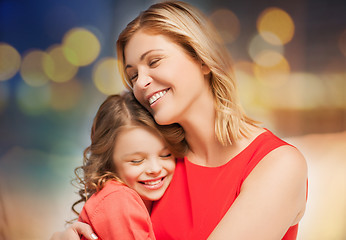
[[283, 154], [283, 161]]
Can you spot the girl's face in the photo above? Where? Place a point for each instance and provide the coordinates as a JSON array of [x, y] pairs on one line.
[[143, 162], [166, 80]]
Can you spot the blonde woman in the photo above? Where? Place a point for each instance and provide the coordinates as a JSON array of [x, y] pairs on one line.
[[237, 180]]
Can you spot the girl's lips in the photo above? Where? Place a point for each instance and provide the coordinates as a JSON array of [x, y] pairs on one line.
[[153, 184]]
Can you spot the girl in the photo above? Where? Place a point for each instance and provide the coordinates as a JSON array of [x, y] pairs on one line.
[[237, 180], [128, 165]]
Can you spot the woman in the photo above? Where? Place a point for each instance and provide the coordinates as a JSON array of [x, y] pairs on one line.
[[237, 181]]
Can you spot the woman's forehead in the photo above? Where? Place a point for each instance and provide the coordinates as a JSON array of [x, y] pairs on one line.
[[142, 42]]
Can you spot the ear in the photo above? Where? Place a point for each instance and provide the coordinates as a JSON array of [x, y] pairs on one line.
[[205, 69]]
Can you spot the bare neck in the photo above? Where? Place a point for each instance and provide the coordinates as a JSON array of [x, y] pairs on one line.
[[205, 148]]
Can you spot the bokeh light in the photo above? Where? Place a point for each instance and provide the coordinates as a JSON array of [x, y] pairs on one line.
[[81, 47], [32, 70], [310, 88], [106, 76], [33, 100], [273, 75], [301, 91], [227, 23], [257, 46], [57, 68], [278, 22], [268, 58], [342, 42], [335, 89], [244, 72], [65, 96], [334, 75], [244, 67], [9, 61]]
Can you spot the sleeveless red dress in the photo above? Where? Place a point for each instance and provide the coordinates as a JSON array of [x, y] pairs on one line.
[[199, 196]]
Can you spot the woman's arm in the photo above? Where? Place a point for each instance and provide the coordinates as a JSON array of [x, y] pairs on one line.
[[272, 198], [74, 231]]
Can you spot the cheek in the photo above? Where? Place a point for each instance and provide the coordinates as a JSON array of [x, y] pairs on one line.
[[129, 175], [140, 98], [170, 166]]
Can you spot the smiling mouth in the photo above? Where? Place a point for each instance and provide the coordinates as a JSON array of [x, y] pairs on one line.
[[157, 96], [153, 185], [152, 182]]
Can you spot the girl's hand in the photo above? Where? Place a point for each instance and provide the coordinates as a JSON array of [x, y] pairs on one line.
[[74, 232]]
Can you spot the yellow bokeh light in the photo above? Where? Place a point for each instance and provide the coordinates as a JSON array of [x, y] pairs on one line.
[[244, 67], [9, 61], [342, 42], [244, 72], [32, 70], [335, 88], [268, 58], [227, 24], [106, 76], [81, 47], [258, 47], [277, 22], [306, 91], [274, 75], [57, 68], [65, 96]]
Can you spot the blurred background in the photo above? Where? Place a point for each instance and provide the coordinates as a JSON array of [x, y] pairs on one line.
[[58, 63]]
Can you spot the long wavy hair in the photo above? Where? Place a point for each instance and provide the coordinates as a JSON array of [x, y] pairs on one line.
[[116, 113], [190, 29]]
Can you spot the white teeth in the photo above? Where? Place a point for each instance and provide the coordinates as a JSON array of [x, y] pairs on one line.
[[153, 182], [156, 96]]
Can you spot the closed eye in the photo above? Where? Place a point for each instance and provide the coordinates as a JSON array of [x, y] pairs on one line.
[[154, 62], [137, 161], [133, 77], [166, 155]]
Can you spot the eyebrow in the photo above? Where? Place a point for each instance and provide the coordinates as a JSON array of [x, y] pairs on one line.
[[143, 56]]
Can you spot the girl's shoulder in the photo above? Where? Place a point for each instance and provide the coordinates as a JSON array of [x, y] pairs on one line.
[[114, 196], [113, 187]]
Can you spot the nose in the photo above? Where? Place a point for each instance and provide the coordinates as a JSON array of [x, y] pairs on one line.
[[143, 80], [154, 167]]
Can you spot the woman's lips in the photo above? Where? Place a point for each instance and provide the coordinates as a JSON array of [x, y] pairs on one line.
[[156, 96]]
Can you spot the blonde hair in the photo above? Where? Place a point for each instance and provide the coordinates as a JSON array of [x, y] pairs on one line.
[[116, 113], [190, 29]]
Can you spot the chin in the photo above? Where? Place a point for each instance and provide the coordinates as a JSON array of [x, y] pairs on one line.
[[154, 198], [163, 120]]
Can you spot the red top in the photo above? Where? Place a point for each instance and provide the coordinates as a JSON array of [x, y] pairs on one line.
[[199, 196], [117, 212]]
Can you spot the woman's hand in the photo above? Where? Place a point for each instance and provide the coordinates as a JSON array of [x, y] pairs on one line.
[[74, 232]]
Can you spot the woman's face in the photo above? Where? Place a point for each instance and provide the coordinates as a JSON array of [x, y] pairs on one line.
[[143, 162], [166, 80]]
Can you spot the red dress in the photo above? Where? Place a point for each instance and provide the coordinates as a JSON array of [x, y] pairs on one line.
[[199, 196], [117, 212]]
